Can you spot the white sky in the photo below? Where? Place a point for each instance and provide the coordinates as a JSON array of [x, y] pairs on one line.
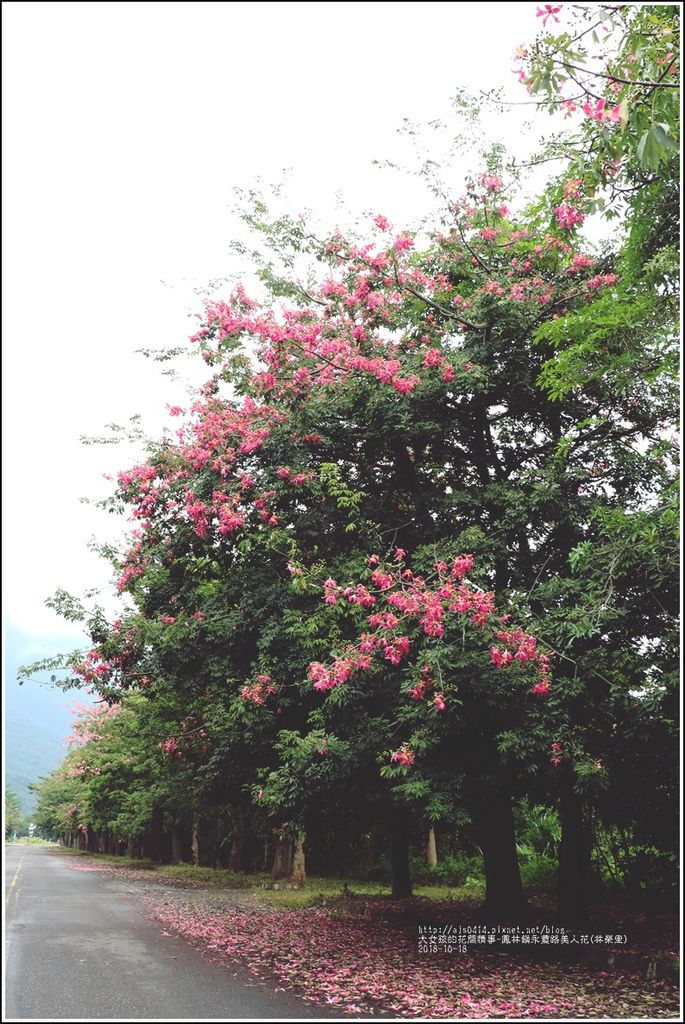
[[126, 127]]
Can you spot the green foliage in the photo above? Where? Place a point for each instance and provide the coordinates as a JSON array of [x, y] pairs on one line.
[[14, 819], [533, 434]]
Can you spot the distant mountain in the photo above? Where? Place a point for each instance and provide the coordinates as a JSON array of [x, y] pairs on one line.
[[36, 716]]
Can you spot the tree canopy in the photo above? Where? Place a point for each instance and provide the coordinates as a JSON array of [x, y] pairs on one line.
[[407, 557]]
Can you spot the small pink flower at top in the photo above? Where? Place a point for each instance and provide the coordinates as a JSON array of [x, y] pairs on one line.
[[547, 12], [381, 222]]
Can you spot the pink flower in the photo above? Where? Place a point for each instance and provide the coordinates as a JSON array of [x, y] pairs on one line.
[[568, 216], [403, 242], [381, 222], [403, 756], [405, 385], [490, 182], [461, 565], [432, 357], [547, 12], [572, 187]]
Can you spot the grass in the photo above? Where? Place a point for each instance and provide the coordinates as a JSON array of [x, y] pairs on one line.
[[318, 890]]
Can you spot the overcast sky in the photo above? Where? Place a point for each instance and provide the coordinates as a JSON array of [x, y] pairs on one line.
[[126, 128]]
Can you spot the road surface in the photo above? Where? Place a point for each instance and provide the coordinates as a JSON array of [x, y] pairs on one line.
[[79, 946]]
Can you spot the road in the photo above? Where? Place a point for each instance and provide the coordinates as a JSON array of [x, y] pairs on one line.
[[79, 946]]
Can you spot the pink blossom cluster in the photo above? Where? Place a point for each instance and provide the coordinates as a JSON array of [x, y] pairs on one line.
[[568, 216], [258, 691], [599, 113], [91, 722], [403, 756], [81, 769], [170, 747], [410, 598], [491, 182], [601, 281], [519, 646]]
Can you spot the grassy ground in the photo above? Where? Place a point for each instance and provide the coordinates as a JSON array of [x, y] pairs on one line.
[[318, 891]]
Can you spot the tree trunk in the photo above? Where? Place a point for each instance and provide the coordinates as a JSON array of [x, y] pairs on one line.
[[176, 843], [494, 820], [573, 853], [195, 841], [431, 849], [216, 841], [283, 859], [156, 831], [235, 857], [298, 876], [399, 853]]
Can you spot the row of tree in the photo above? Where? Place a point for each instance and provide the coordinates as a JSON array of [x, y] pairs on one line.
[[408, 557]]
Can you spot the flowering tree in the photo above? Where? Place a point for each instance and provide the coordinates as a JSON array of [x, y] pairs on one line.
[[358, 557]]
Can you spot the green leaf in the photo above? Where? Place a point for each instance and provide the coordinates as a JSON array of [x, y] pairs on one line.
[[650, 151]]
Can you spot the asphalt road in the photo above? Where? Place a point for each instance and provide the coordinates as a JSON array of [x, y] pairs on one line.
[[79, 947]]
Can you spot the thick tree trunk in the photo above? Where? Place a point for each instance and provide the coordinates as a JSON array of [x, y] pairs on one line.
[[298, 876], [195, 841], [399, 852], [574, 860], [176, 843], [494, 820], [283, 860], [156, 833], [431, 849]]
